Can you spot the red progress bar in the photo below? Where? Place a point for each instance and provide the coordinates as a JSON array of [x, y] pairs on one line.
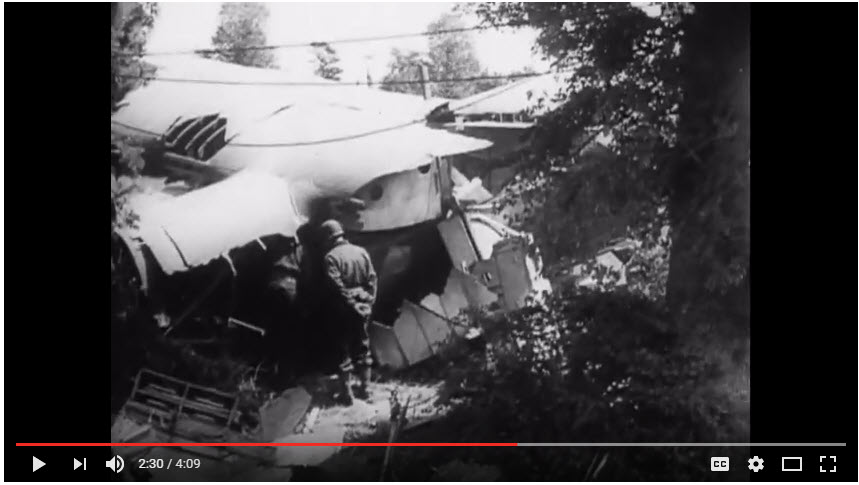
[[265, 444]]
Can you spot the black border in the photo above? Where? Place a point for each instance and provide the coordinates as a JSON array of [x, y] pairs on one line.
[[804, 337], [57, 333]]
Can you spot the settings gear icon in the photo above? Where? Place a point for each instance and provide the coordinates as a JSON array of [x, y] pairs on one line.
[[756, 464]]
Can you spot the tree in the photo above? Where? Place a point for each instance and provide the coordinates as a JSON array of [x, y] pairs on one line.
[[241, 34], [131, 24], [679, 138], [403, 72], [495, 79], [451, 56], [326, 60]]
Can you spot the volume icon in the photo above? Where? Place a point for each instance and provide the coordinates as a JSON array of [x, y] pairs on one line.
[[116, 464]]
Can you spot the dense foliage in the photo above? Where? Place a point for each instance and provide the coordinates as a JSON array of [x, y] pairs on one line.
[[326, 61], [131, 24], [667, 91], [130, 28], [240, 33]]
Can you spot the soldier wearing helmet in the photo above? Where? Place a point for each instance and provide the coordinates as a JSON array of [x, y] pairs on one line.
[[352, 283]]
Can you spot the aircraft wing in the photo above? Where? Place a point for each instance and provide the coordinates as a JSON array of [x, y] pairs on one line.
[[194, 228]]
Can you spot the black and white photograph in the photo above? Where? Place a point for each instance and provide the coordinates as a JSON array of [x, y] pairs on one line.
[[422, 241]]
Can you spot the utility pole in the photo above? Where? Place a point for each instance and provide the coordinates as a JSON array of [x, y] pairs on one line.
[[424, 77], [367, 60]]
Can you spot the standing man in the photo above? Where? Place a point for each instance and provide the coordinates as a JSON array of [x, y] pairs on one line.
[[283, 305], [352, 285]]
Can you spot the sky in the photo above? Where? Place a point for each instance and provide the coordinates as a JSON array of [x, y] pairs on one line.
[[183, 26]]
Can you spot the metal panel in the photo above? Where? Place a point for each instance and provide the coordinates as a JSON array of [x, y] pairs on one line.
[[453, 300], [513, 272], [458, 243], [195, 228], [435, 327], [411, 336], [385, 346], [400, 199]]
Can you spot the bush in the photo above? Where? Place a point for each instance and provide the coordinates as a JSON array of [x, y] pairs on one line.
[[592, 366]]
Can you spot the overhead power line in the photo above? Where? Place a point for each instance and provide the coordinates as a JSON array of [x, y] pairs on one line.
[[294, 45], [340, 138], [333, 83]]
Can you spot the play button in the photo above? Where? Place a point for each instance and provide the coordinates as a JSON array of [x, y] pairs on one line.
[[37, 463], [78, 464]]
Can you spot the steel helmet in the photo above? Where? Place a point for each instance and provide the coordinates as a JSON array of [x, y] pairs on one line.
[[330, 229]]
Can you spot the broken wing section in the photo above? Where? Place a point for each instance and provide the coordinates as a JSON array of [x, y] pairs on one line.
[[190, 230]]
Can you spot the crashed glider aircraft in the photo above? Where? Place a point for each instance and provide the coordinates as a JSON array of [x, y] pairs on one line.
[[268, 157]]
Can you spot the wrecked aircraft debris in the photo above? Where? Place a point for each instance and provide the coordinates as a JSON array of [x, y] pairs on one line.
[[206, 254]]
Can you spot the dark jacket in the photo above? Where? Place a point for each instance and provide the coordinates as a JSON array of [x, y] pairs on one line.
[[351, 277]]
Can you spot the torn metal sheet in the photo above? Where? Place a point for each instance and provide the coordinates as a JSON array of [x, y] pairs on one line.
[[411, 335], [402, 199], [453, 299], [195, 228], [421, 331], [280, 416], [385, 346], [516, 281], [432, 302], [458, 243], [510, 273], [476, 292], [434, 325]]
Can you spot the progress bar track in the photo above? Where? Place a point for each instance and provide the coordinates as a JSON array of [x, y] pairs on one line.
[[712, 445], [588, 445]]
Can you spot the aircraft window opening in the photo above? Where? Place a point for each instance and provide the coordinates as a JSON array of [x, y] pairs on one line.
[[376, 192], [424, 168]]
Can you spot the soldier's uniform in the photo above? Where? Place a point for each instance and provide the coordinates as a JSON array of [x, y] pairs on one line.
[[282, 302], [352, 281]]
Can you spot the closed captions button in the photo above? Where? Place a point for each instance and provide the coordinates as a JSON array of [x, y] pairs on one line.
[[719, 464]]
